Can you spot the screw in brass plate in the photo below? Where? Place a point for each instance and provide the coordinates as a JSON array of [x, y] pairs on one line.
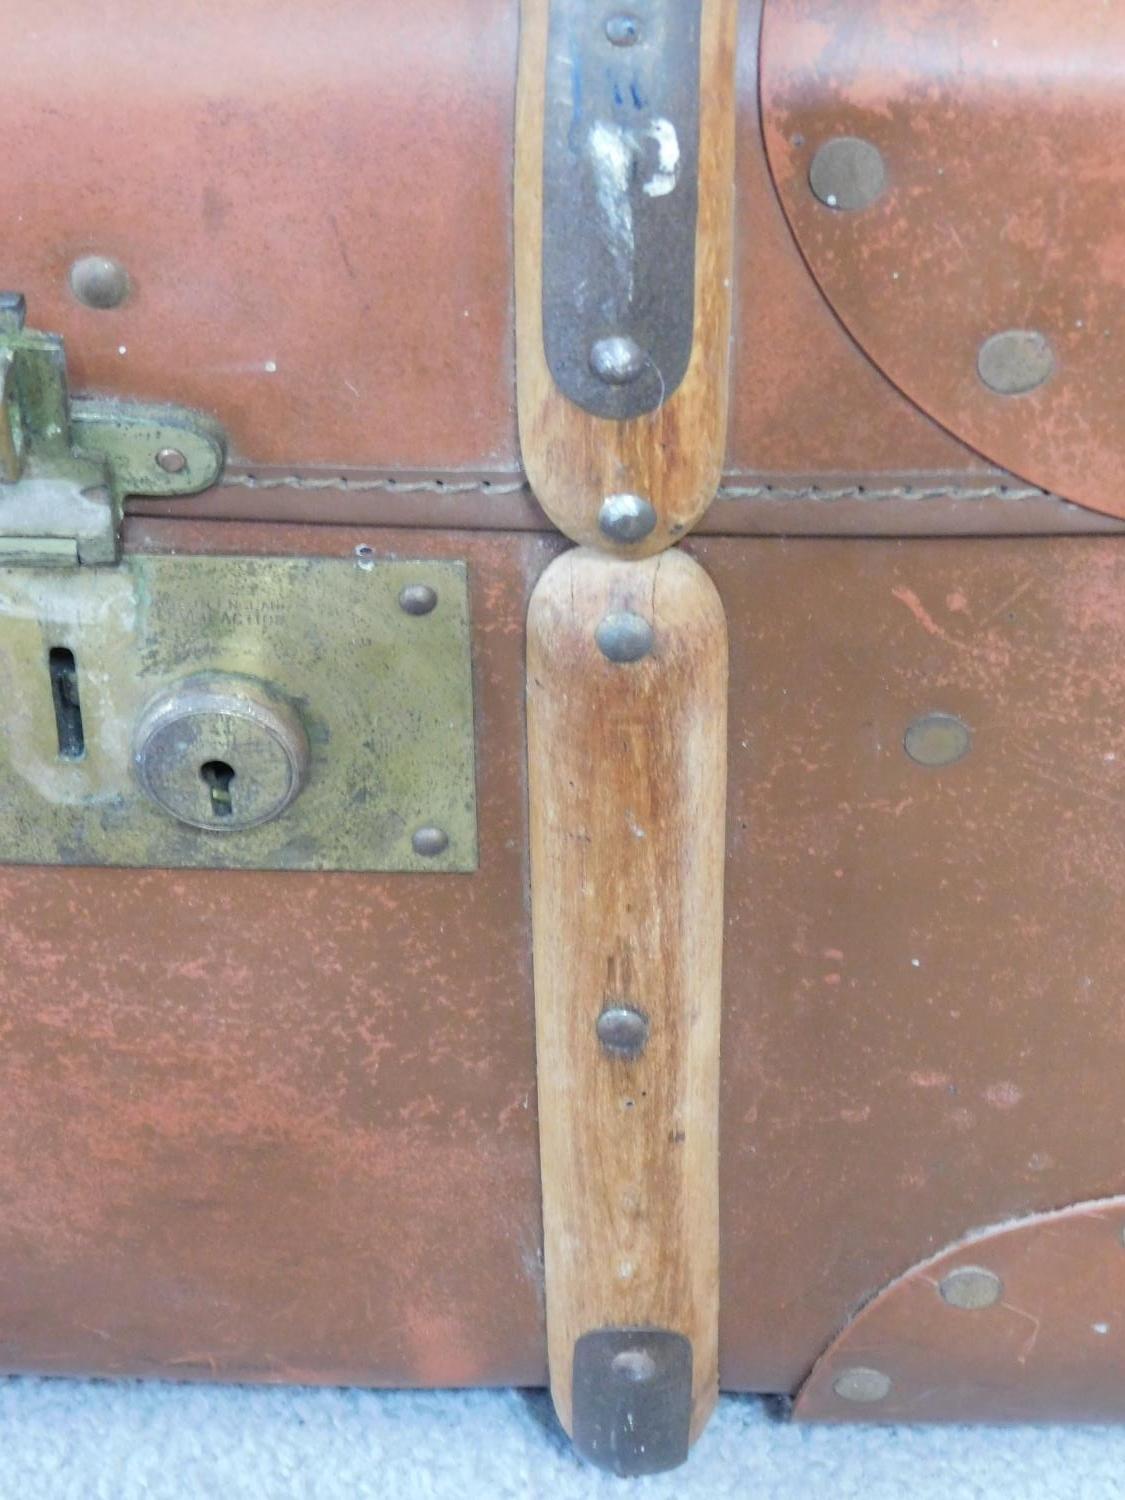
[[1015, 362], [99, 282], [623, 1031], [618, 360], [418, 599], [971, 1287], [861, 1384], [624, 637], [848, 174], [937, 740], [171, 460], [429, 842]]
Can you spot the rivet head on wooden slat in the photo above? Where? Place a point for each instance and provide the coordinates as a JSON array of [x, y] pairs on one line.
[[626, 518], [1015, 362], [848, 174], [971, 1287], [861, 1384], [623, 1031], [624, 637], [618, 360]]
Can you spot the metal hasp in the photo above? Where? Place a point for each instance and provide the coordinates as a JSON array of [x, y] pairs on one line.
[[632, 1399], [66, 465], [620, 198], [237, 713]]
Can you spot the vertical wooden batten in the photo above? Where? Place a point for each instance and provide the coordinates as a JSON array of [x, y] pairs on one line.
[[627, 782], [673, 456]]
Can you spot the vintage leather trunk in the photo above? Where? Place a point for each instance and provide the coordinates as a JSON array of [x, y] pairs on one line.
[[371, 856]]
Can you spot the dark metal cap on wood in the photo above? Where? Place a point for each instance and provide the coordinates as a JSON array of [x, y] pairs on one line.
[[632, 1399]]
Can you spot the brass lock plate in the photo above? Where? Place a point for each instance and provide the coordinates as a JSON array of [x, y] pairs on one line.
[[238, 713]]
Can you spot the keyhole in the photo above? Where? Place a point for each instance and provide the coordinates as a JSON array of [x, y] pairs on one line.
[[218, 776]]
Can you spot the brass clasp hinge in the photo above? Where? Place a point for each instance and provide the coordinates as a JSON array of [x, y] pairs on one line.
[[66, 464]]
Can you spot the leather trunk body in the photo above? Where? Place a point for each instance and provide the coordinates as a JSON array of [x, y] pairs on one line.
[[278, 1126]]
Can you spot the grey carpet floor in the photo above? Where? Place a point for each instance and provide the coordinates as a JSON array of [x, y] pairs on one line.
[[79, 1440]]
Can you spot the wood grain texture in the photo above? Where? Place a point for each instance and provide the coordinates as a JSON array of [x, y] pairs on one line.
[[627, 783], [673, 456]]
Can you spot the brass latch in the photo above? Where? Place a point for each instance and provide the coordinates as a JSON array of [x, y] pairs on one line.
[[67, 464]]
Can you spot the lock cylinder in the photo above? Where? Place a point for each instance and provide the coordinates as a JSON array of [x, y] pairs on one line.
[[220, 753]]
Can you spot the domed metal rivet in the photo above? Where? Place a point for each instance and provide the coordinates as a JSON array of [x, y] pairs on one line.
[[624, 637], [428, 843], [417, 599], [171, 460], [617, 360], [97, 281], [623, 31], [971, 1287], [860, 1384], [937, 740], [1015, 362], [633, 1364], [848, 174], [626, 518], [622, 1030]]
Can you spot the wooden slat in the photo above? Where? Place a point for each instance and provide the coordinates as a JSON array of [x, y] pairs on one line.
[[627, 786], [674, 455]]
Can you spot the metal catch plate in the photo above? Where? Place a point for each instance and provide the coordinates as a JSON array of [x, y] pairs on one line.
[[382, 696], [620, 198]]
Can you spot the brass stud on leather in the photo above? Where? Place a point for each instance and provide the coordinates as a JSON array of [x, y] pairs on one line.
[[99, 282], [1015, 362], [861, 1384], [848, 174], [971, 1288], [937, 740]]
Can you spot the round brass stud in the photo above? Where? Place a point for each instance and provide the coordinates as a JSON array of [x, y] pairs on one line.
[[861, 1384], [937, 740], [1015, 362], [971, 1287], [429, 842], [623, 1031], [848, 174], [624, 637], [99, 282], [171, 460], [618, 360], [626, 518], [418, 599]]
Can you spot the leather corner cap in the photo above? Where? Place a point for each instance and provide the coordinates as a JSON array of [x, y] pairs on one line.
[[955, 188]]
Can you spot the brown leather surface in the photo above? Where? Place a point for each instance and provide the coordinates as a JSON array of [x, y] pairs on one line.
[[998, 122], [283, 1127], [1047, 1349], [325, 187]]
